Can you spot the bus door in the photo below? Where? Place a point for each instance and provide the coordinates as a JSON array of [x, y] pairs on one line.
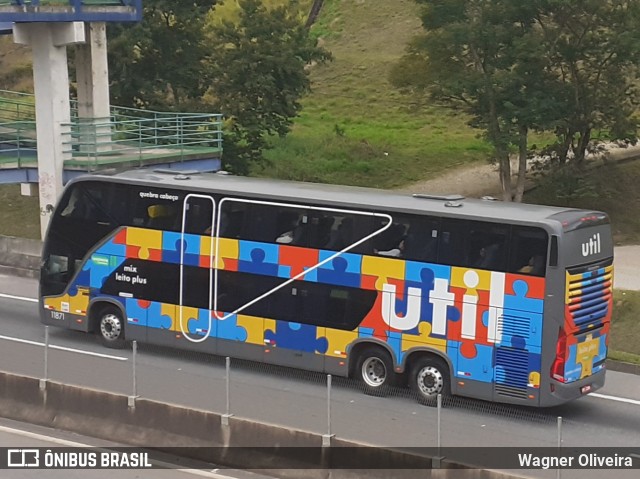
[[194, 318]]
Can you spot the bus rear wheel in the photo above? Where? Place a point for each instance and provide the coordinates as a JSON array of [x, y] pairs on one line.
[[430, 377], [111, 328], [375, 370]]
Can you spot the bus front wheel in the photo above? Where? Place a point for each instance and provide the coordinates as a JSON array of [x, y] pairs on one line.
[[430, 377], [111, 328], [375, 370]]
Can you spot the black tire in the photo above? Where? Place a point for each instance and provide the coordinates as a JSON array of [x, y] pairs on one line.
[[111, 328], [375, 370], [429, 377]]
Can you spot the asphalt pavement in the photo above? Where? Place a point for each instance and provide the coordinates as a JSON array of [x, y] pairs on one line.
[[626, 262]]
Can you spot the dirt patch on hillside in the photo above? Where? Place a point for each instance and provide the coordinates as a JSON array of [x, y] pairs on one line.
[[471, 181]]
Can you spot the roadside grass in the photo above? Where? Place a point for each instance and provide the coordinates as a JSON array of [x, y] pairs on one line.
[[19, 215], [624, 344], [355, 128]]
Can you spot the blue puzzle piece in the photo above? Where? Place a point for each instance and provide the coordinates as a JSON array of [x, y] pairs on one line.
[[519, 300], [394, 340], [228, 328], [284, 272], [337, 272], [170, 247], [520, 311], [365, 332], [136, 314], [296, 336], [415, 271], [478, 368], [572, 369], [101, 267], [155, 318], [112, 249], [203, 325], [353, 261], [258, 258]]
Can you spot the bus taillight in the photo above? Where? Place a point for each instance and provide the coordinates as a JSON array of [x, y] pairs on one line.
[[557, 369]]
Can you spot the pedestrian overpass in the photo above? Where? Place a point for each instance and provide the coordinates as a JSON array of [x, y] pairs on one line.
[[128, 138]]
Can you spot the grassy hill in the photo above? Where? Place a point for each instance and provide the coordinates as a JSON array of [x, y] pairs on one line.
[[355, 128]]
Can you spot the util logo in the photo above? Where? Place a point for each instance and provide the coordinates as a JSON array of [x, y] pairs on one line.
[[592, 246], [441, 298]]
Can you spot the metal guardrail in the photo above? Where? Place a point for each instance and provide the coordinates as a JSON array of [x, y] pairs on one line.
[[95, 143], [128, 135]]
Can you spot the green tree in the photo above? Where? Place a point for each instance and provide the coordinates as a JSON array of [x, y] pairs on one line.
[[481, 57], [593, 47], [158, 63], [566, 66], [258, 71]]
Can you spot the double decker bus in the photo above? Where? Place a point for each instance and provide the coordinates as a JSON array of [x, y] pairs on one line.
[[491, 300]]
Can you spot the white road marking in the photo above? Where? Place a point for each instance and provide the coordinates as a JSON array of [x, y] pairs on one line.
[[19, 298], [635, 402], [62, 348], [66, 443]]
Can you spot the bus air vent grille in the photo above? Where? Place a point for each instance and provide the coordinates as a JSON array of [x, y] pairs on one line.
[[510, 325], [512, 371]]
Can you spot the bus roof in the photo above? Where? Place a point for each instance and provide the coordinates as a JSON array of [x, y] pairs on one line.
[[342, 196]]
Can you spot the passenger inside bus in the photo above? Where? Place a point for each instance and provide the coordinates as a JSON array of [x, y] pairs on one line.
[[535, 266], [342, 236], [421, 243], [488, 256], [161, 217], [393, 252]]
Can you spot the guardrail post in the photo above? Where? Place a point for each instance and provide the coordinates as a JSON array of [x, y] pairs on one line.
[[131, 400], [227, 414], [326, 438], [558, 470], [43, 381], [436, 462]]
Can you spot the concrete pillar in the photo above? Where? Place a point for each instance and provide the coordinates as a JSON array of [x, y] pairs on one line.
[[51, 83], [92, 75]]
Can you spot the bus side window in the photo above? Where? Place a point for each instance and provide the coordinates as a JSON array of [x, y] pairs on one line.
[[451, 248], [473, 244], [528, 251], [347, 229], [232, 217], [486, 246], [421, 240]]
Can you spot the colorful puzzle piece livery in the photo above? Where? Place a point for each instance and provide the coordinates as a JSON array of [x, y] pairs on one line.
[[418, 306]]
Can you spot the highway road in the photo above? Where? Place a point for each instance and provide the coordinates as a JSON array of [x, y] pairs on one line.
[[298, 400]]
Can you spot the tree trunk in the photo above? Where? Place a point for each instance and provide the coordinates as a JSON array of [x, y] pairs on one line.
[[583, 143], [566, 144], [522, 163], [505, 173]]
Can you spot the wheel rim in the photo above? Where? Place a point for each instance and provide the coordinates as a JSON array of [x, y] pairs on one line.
[[374, 372], [110, 327], [430, 381]]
